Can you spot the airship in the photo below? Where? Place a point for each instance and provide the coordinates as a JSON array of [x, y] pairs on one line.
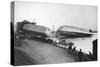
[[66, 31]]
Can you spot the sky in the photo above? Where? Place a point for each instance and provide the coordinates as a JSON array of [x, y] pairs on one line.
[[51, 14]]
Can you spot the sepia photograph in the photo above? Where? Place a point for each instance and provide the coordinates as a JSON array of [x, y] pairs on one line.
[[53, 33]]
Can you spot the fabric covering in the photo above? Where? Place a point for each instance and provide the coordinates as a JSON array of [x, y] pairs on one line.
[[72, 29], [36, 28]]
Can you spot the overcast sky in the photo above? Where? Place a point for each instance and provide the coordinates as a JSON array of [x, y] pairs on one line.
[[47, 14]]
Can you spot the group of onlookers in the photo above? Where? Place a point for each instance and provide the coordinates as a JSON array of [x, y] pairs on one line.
[[78, 55]]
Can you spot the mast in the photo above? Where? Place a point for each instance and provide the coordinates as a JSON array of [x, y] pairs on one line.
[[53, 32]]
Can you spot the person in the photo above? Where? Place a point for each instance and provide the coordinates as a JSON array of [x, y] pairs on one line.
[[80, 55], [91, 55], [70, 47], [90, 30], [73, 50], [71, 43]]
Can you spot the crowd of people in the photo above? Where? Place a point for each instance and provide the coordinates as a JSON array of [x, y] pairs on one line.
[[79, 55]]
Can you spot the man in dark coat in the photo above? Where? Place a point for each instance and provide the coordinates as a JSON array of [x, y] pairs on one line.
[[80, 55]]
